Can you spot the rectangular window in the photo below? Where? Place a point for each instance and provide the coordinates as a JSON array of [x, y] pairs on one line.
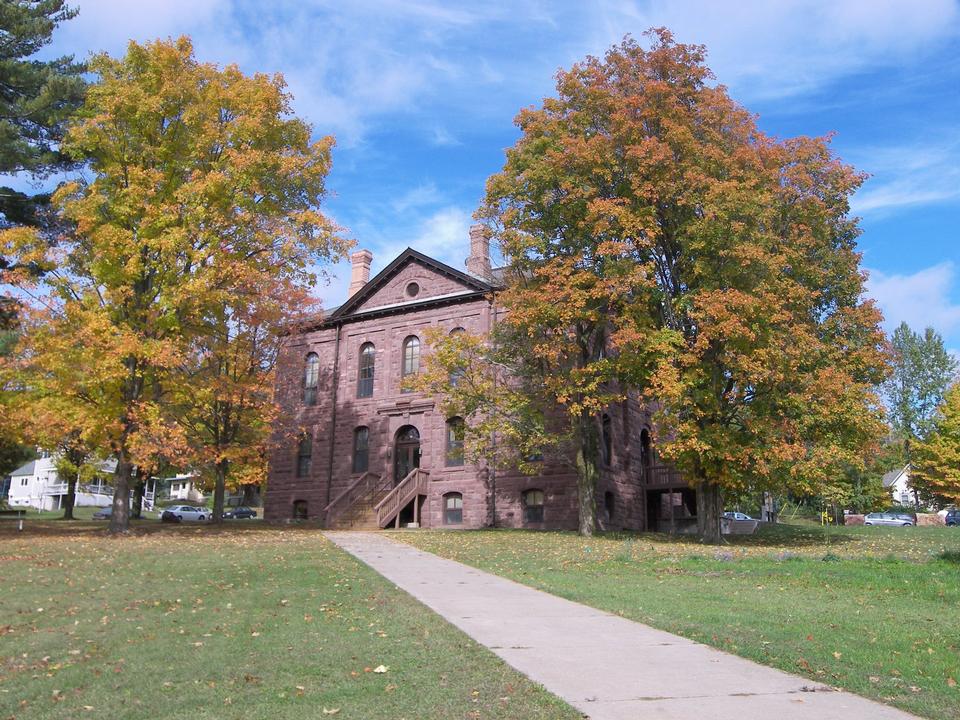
[[453, 509], [455, 435], [304, 453], [361, 450]]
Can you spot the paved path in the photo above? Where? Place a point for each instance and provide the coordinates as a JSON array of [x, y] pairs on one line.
[[606, 666]]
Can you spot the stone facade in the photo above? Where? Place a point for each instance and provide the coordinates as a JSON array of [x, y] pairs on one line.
[[413, 294]]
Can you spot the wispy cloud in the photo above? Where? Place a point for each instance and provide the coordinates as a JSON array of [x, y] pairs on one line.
[[921, 299], [779, 49], [915, 174], [422, 195]]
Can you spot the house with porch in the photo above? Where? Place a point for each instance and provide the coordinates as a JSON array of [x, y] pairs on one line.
[[37, 485], [356, 450]]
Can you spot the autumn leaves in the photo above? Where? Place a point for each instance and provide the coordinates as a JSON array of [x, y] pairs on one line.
[[173, 269]]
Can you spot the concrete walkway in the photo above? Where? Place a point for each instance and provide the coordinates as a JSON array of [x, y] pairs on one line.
[[607, 667]]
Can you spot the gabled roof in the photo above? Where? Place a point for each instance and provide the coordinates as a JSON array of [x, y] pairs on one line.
[[26, 469], [890, 478], [405, 258]]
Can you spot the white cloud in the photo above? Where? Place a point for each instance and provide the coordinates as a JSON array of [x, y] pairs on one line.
[[915, 174], [778, 49], [921, 299], [443, 235], [417, 197]]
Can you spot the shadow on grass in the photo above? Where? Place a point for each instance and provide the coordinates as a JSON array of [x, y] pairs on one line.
[[58, 527], [778, 536]]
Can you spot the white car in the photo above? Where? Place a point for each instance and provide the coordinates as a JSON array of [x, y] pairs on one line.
[[736, 516], [185, 513]]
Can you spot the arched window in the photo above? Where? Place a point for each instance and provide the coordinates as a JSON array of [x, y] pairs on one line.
[[304, 454], [361, 451], [533, 506], [368, 359], [411, 359], [311, 378], [455, 434], [609, 505], [299, 509], [457, 373], [453, 509], [646, 454], [606, 438]]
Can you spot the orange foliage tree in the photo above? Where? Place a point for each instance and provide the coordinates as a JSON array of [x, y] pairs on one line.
[[659, 240], [200, 182]]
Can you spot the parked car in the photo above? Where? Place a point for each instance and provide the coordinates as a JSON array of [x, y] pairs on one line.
[[889, 518], [239, 513], [103, 513], [737, 516], [181, 513], [952, 517]]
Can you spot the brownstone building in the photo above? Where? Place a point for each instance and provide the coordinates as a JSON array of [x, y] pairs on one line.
[[371, 455]]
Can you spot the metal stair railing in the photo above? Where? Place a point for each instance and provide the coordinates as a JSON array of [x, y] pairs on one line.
[[363, 485], [415, 483]]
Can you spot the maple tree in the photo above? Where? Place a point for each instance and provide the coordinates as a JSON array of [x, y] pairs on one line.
[[935, 472], [659, 240], [198, 172], [222, 400]]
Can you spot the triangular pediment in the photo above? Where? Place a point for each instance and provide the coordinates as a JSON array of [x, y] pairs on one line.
[[411, 279]]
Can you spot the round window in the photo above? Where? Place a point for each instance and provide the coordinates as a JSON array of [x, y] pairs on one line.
[[413, 289]]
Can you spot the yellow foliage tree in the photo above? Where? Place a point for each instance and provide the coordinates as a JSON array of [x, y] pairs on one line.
[[201, 180]]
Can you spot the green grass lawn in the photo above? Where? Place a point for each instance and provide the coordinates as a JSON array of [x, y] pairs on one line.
[[873, 610], [245, 621]]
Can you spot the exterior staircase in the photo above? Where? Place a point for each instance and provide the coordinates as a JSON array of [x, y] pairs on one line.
[[353, 508], [372, 502]]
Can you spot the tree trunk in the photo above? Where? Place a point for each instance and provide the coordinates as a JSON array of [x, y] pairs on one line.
[[250, 494], [71, 499], [120, 519], [219, 489], [709, 510], [587, 475], [138, 490]]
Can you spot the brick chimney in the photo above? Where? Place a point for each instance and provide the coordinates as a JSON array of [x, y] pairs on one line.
[[479, 261], [359, 270]]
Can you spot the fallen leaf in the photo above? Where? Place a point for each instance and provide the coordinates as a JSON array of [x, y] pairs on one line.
[[380, 669]]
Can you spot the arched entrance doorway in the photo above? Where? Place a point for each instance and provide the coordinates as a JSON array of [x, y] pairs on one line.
[[406, 454]]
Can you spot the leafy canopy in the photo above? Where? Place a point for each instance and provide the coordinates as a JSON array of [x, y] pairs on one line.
[[659, 240], [204, 195]]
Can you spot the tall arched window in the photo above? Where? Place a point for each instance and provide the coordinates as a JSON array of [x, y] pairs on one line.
[[606, 438], [304, 455], [455, 434], [311, 378], [411, 359], [361, 449], [368, 359], [453, 509], [457, 373], [533, 506]]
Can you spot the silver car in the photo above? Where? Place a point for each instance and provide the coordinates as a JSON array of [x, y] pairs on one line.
[[185, 513], [889, 518]]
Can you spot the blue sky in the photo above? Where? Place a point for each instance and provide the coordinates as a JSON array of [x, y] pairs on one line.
[[421, 97]]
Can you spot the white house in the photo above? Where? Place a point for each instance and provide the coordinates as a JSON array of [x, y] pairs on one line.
[[182, 488], [37, 485], [897, 483]]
